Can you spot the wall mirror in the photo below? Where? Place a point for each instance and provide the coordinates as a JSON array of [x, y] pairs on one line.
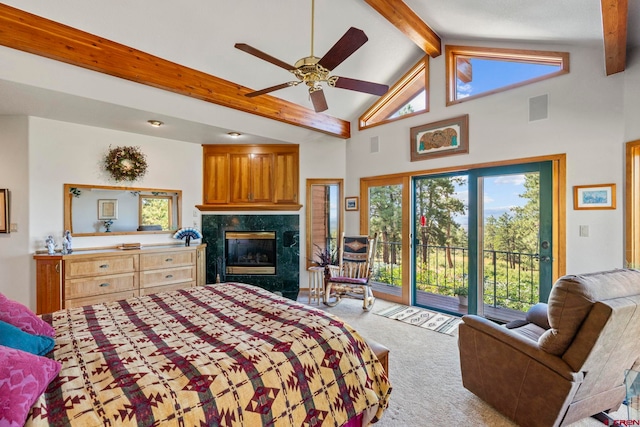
[[96, 210], [324, 217]]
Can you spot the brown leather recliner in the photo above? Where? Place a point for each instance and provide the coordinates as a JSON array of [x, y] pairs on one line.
[[559, 368]]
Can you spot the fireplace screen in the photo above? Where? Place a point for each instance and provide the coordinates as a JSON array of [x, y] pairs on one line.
[[250, 252]]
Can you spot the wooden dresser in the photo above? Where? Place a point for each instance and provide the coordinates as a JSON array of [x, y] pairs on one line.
[[96, 276]]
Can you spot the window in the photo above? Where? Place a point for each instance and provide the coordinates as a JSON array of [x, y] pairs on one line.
[[632, 212], [473, 72], [408, 97], [156, 211]]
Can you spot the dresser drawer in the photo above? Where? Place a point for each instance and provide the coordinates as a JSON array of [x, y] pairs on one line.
[[167, 276], [167, 259], [166, 288], [99, 266], [90, 286], [79, 302]]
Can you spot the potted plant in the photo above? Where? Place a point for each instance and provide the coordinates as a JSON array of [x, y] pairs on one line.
[[462, 292]]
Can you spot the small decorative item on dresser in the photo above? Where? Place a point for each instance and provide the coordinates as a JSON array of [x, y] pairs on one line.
[[50, 244], [188, 233], [107, 224], [66, 242]]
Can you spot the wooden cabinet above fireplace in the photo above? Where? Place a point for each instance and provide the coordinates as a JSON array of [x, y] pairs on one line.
[[250, 177]]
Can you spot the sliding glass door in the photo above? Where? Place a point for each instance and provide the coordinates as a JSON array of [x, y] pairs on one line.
[[483, 240], [384, 212]]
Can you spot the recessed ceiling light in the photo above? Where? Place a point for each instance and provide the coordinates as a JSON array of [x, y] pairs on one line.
[[234, 134], [155, 123]]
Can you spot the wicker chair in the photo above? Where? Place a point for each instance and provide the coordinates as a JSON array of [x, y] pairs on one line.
[[351, 278]]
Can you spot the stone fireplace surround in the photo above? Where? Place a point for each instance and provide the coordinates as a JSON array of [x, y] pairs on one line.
[[287, 227]]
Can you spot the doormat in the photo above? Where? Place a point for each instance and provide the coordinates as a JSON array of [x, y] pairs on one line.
[[431, 320]]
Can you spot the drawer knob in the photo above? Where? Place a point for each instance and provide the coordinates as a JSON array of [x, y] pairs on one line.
[[168, 276], [104, 266], [104, 285], [169, 259]]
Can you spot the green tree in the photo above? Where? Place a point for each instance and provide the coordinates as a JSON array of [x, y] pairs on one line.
[[155, 211], [385, 218], [437, 204]]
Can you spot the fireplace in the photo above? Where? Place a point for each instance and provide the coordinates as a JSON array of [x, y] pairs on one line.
[[250, 252]]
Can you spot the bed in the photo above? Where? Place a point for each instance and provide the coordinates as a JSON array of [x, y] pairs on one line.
[[218, 355]]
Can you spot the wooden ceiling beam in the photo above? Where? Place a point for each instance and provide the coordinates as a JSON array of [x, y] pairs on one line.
[[40, 36], [614, 30], [406, 20]]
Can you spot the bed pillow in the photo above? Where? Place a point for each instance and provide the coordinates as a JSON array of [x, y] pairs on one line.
[[19, 315], [14, 337], [23, 378]]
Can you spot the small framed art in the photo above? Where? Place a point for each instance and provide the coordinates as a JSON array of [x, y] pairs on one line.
[[601, 196], [438, 139], [351, 203], [4, 211], [107, 209]]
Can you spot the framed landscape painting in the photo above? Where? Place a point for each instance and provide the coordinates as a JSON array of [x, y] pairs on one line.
[[601, 196]]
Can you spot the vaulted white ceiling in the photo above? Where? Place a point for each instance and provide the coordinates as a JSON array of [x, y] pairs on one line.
[[201, 34]]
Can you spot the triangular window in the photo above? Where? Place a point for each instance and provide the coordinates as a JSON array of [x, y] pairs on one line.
[[408, 97], [473, 72]]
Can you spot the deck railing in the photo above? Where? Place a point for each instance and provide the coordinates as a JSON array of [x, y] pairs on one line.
[[510, 278]]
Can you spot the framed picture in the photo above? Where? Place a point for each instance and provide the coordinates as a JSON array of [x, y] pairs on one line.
[[351, 203], [4, 211], [108, 209], [594, 196], [439, 139]]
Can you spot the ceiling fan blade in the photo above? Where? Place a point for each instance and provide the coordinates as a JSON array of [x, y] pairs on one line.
[[319, 101], [360, 86], [349, 43], [271, 89], [264, 56]]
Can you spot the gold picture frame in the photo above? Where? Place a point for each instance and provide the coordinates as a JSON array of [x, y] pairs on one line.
[[439, 139], [107, 209], [351, 203], [4, 211], [602, 196]]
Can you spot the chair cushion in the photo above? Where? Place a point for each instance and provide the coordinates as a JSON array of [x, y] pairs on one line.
[[349, 280], [572, 297]]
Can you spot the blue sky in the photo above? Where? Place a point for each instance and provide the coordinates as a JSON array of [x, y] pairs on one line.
[[500, 194], [492, 74]]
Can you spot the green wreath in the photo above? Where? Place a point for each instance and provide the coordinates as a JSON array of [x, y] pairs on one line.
[[125, 163]]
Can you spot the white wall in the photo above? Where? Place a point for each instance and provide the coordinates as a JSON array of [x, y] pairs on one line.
[[42, 155], [61, 153], [15, 259], [590, 118], [586, 121]]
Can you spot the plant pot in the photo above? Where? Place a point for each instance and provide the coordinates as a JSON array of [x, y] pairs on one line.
[[463, 300]]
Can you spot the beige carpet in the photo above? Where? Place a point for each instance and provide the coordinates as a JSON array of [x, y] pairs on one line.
[[424, 372]]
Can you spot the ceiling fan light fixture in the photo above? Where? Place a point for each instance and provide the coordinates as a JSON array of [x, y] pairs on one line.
[[312, 70]]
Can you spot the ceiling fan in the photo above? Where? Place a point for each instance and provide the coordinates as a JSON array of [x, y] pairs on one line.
[[313, 71]]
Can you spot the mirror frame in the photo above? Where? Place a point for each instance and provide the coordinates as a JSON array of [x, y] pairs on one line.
[[68, 198], [322, 181]]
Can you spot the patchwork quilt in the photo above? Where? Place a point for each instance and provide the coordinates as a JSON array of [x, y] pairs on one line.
[[218, 355]]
